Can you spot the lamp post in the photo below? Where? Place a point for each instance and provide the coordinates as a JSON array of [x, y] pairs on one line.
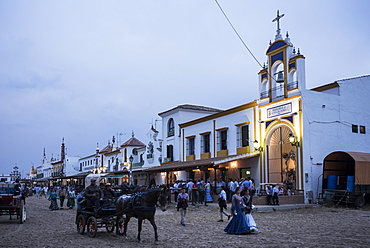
[[130, 179]]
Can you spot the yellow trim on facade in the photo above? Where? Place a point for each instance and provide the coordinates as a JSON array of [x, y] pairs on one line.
[[279, 122], [222, 128], [222, 153], [282, 100], [294, 59], [220, 114], [205, 133], [326, 87], [243, 150], [183, 143], [243, 123], [191, 136], [205, 155], [214, 137], [300, 150], [113, 152], [263, 71], [190, 157], [276, 50]]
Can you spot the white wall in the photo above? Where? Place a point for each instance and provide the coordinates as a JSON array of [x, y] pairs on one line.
[[328, 120]]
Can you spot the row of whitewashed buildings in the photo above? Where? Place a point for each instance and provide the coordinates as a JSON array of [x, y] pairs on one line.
[[292, 136]]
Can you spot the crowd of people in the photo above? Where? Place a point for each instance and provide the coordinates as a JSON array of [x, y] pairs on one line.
[[238, 192]]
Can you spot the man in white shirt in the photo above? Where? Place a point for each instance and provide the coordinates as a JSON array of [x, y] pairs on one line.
[[232, 188], [246, 185], [222, 204], [189, 186]]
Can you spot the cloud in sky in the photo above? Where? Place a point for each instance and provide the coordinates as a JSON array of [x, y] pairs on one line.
[[87, 70]]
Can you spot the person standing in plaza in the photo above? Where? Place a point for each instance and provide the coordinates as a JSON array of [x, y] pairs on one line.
[[246, 184], [247, 200], [222, 204], [251, 189], [46, 190], [182, 204], [53, 200], [189, 186], [62, 193], [275, 195], [200, 191], [208, 192], [71, 196], [237, 225], [37, 191], [195, 195], [268, 194], [175, 191], [232, 188]]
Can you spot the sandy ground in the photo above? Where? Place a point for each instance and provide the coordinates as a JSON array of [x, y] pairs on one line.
[[310, 227]]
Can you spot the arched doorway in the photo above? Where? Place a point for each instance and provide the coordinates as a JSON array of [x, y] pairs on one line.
[[281, 158]]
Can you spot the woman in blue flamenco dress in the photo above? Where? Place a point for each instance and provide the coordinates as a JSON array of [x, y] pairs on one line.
[[237, 224]]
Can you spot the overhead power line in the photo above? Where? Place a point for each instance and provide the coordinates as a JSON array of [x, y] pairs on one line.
[[236, 32]]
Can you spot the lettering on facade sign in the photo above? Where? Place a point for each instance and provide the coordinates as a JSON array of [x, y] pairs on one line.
[[279, 110]]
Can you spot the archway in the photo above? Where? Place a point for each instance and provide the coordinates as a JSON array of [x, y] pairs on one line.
[[281, 158]]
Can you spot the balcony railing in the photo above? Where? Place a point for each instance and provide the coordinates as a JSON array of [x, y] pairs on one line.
[[293, 85], [138, 164], [278, 91], [264, 94]]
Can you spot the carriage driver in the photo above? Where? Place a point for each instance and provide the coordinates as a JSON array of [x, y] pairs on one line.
[[94, 194]]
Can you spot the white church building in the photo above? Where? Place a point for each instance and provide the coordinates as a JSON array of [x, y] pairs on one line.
[[282, 138]]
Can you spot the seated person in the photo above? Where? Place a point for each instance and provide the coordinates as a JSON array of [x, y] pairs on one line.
[[81, 203], [109, 195], [94, 194], [281, 191]]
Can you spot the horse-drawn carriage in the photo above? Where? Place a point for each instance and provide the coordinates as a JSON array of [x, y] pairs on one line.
[[90, 219], [12, 201], [141, 205]]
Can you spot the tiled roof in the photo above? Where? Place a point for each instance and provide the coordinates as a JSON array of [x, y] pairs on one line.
[[133, 142], [106, 149]]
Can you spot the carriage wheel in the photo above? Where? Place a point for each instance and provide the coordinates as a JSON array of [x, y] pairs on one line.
[[22, 213], [81, 224], [121, 225], [92, 227], [110, 226], [359, 201]]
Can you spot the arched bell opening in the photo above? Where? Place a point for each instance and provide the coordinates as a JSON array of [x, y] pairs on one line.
[[277, 83]]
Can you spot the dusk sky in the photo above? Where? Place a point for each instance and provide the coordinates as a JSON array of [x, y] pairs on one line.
[[87, 70]]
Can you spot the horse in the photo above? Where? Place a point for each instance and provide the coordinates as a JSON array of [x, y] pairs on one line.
[[141, 206], [126, 189]]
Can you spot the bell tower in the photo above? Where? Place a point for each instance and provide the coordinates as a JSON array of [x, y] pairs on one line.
[[284, 74]]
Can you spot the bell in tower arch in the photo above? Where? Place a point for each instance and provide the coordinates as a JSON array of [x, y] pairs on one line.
[[280, 77]]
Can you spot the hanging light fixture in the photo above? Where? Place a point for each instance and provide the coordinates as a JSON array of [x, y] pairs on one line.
[[292, 140]]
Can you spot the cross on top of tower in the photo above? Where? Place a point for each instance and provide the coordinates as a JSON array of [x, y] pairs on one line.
[[277, 19]]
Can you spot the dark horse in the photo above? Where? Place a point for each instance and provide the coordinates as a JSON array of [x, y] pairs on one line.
[[141, 206]]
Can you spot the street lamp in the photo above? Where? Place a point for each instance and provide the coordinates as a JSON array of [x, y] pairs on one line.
[[293, 141], [130, 179]]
